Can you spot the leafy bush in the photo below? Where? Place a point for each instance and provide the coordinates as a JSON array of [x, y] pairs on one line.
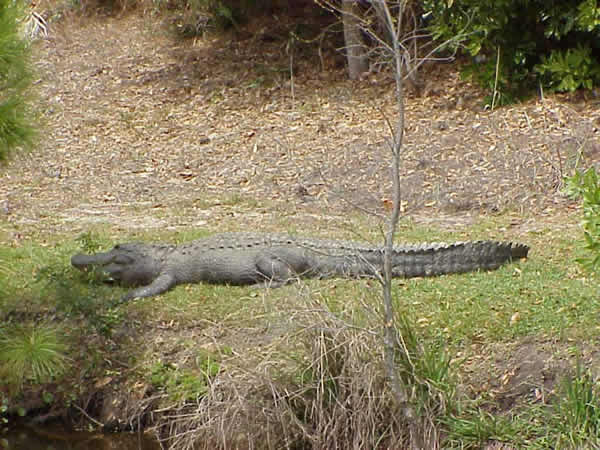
[[568, 70], [587, 186], [535, 41], [199, 15]]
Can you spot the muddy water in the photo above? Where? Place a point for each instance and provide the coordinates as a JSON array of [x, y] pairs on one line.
[[58, 438]]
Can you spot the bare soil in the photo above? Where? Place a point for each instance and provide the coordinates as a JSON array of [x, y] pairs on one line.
[[146, 131]]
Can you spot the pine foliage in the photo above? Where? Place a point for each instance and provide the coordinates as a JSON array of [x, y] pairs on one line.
[[16, 118]]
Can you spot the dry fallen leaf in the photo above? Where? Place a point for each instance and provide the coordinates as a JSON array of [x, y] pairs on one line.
[[515, 318]]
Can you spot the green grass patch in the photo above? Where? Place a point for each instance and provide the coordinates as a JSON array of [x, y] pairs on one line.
[[164, 338], [184, 384], [534, 297], [570, 420]]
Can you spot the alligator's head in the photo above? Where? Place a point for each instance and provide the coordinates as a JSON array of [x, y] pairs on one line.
[[128, 264]]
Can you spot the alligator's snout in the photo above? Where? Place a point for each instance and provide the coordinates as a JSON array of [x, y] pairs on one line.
[[84, 262], [80, 261]]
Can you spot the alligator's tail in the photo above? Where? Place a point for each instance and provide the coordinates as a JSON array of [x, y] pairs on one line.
[[438, 259]]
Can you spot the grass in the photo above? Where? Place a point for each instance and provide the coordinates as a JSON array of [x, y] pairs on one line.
[[570, 421], [515, 301], [303, 351], [578, 405], [477, 426], [35, 353]]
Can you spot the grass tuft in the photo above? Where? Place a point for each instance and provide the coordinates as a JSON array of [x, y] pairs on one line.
[[35, 353], [476, 428], [577, 410]]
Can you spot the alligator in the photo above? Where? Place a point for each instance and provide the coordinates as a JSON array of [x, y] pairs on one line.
[[275, 259]]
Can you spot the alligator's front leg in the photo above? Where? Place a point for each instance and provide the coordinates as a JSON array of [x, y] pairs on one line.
[[161, 284]]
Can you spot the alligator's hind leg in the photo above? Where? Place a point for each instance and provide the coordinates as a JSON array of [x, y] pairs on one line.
[[281, 266]]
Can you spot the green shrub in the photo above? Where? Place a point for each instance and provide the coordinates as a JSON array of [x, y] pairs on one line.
[[586, 185], [199, 15], [568, 70], [536, 41], [185, 384]]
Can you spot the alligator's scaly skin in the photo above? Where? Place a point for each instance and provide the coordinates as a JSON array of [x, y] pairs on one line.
[[246, 258]]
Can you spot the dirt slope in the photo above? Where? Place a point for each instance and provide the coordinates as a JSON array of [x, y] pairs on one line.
[[146, 131]]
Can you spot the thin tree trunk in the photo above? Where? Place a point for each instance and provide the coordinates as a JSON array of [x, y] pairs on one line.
[[355, 49], [393, 342]]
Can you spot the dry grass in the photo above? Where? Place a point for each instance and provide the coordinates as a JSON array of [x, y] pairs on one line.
[[328, 393], [319, 383]]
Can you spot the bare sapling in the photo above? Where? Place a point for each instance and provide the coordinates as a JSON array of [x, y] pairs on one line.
[[393, 341], [397, 42]]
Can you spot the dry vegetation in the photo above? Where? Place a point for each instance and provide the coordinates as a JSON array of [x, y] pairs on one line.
[[145, 131]]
